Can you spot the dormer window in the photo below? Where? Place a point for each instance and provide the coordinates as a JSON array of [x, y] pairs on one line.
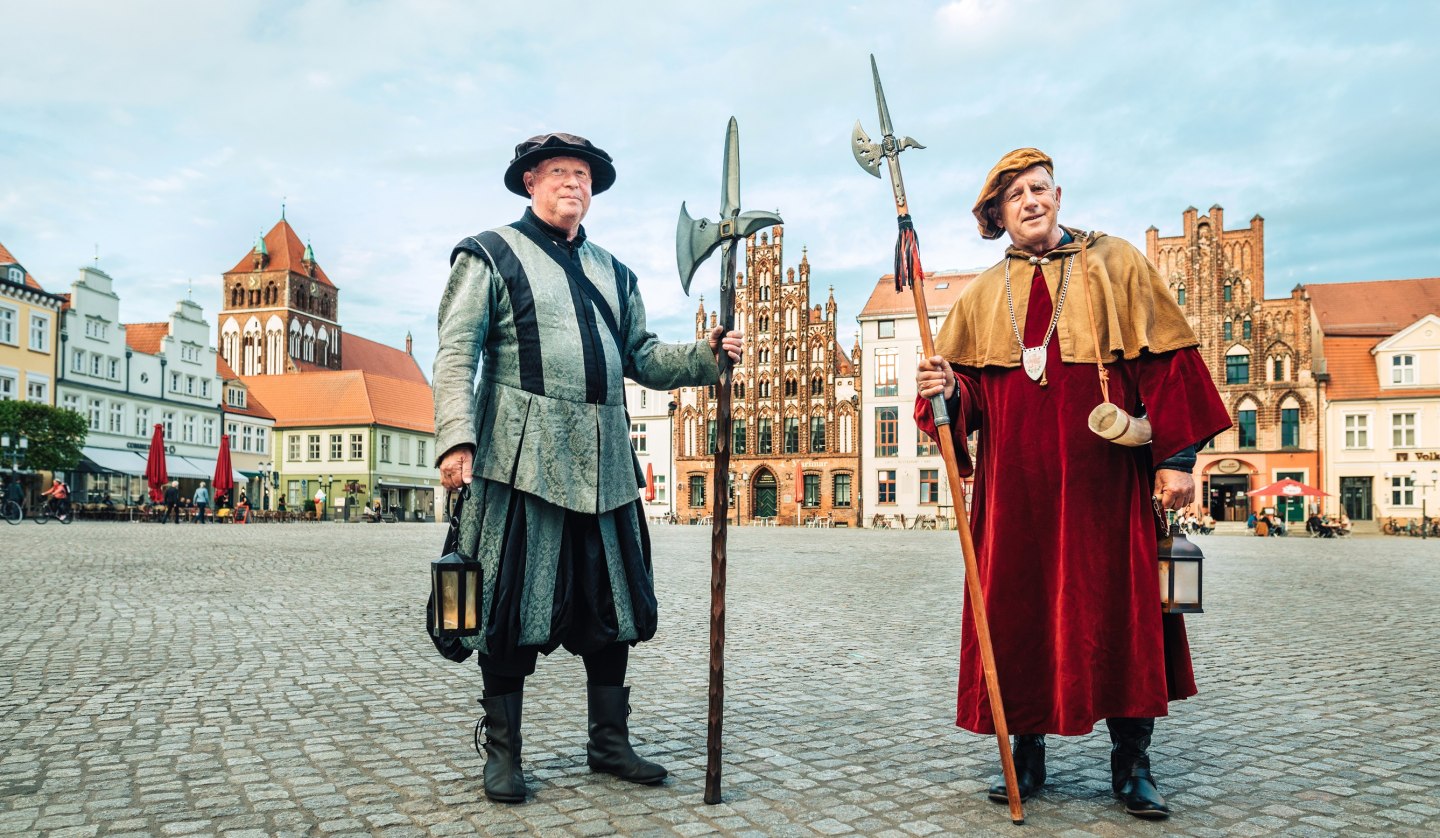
[[1402, 369], [17, 276]]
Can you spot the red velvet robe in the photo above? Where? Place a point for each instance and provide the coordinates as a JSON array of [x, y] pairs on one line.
[[1065, 538]]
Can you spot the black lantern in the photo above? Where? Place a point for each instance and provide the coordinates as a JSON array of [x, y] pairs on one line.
[[455, 596], [1180, 576]]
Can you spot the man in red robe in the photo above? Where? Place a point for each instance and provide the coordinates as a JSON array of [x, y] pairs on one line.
[[1064, 526]]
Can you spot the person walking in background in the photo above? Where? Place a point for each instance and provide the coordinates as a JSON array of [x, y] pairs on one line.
[[172, 501], [202, 503]]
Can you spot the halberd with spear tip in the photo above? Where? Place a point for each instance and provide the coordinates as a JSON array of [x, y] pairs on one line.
[[695, 239], [909, 273]]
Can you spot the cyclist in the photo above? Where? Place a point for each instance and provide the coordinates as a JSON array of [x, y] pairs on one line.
[[59, 492], [14, 494]]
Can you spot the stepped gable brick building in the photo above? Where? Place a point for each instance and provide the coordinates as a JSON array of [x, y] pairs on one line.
[[1260, 353], [795, 453]]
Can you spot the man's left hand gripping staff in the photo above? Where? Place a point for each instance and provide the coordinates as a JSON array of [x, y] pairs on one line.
[[732, 342]]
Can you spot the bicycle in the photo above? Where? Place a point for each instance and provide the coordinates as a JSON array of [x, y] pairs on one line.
[[51, 510], [12, 512]]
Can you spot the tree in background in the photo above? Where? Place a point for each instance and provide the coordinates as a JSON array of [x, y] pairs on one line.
[[55, 434]]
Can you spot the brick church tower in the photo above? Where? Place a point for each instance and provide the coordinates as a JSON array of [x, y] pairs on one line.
[[795, 452], [279, 311], [1260, 356]]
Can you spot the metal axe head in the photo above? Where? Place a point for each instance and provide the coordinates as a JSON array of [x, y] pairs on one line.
[[695, 239], [870, 154]]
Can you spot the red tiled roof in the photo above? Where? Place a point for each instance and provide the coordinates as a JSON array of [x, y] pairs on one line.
[[885, 301], [6, 258], [146, 337], [286, 254], [1378, 308], [344, 397], [1353, 375], [226, 374], [357, 353], [844, 366]]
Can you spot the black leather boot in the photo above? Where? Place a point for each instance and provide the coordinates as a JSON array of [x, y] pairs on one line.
[[1029, 768], [503, 779], [609, 749], [1130, 768]]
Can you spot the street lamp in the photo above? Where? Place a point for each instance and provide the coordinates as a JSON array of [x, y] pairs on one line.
[[737, 495], [1424, 491], [15, 454]]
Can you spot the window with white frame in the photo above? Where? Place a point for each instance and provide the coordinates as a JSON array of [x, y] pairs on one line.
[[9, 385], [404, 450], [189, 428], [174, 382], [8, 317], [40, 332], [142, 421], [95, 413], [95, 365], [189, 385], [169, 423], [247, 438], [207, 431], [420, 459], [1402, 491], [312, 447], [114, 368], [1402, 430], [1402, 369], [37, 388], [77, 361], [337, 446], [357, 446], [384, 448], [1357, 430], [70, 401], [204, 388], [17, 276], [637, 436], [117, 418], [260, 437], [292, 452]]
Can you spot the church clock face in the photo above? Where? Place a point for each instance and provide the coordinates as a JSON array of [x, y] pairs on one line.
[[253, 282], [314, 288]]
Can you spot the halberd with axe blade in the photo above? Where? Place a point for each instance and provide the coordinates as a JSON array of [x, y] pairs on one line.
[[909, 272], [695, 240]]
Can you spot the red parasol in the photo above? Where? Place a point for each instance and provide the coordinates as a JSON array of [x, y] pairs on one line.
[[224, 476], [156, 475], [1288, 488], [649, 482]]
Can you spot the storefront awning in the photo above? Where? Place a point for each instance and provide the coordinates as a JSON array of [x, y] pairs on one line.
[[114, 461], [203, 467]]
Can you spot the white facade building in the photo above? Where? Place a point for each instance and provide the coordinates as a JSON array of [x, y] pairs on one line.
[[125, 379], [650, 412], [902, 474], [1383, 423]]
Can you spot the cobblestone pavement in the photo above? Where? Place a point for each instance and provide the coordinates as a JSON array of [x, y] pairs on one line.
[[175, 680]]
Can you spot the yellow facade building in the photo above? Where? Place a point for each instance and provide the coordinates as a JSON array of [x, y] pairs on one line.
[[29, 323]]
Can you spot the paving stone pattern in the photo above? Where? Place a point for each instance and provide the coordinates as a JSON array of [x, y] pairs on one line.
[[275, 680]]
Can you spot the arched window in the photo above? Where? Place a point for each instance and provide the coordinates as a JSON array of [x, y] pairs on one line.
[[1227, 330], [295, 339], [1229, 292], [1180, 294], [790, 353], [1245, 329], [1237, 365], [764, 323], [817, 386], [791, 388], [764, 388], [1290, 423], [739, 390], [1245, 424]]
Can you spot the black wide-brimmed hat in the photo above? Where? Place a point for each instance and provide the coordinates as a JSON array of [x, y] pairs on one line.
[[545, 146]]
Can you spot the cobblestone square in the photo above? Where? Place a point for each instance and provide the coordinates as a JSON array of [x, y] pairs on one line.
[[276, 680]]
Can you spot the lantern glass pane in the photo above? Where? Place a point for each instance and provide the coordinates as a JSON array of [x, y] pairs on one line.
[[1187, 582], [449, 600], [472, 592], [1165, 582]]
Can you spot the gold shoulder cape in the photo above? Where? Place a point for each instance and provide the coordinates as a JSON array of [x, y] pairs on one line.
[[1134, 311]]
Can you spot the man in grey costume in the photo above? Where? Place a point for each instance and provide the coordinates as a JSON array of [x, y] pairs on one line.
[[554, 324]]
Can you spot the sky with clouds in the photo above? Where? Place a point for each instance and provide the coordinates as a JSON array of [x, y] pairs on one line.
[[167, 133]]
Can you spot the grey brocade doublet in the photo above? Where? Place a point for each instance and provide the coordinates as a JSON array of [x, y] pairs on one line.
[[547, 416]]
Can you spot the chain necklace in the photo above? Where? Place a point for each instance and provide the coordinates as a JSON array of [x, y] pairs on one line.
[[1033, 357]]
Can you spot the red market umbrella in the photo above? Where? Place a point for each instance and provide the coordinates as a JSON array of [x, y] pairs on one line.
[[1288, 488], [224, 476], [156, 475], [649, 482]]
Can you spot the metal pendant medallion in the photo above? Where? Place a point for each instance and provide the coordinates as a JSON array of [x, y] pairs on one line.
[[1033, 359]]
